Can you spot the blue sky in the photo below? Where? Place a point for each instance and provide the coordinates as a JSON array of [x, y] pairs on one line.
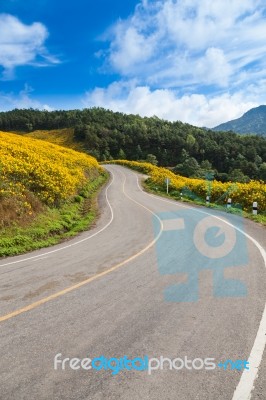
[[198, 62]]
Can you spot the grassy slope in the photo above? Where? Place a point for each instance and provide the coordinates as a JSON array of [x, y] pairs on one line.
[[46, 224], [62, 137], [54, 225]]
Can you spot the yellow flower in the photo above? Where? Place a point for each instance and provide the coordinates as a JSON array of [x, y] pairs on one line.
[[240, 193], [51, 172]]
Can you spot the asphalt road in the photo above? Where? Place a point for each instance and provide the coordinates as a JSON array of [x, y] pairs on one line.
[[141, 283]]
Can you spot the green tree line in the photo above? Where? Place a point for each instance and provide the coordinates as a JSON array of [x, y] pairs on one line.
[[189, 150]]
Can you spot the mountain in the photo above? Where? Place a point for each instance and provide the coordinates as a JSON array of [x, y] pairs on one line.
[[253, 121]]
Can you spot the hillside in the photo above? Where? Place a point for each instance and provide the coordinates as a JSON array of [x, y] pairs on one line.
[[45, 190], [61, 137], [253, 121], [192, 151]]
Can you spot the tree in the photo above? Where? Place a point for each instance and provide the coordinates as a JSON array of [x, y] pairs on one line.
[[190, 141], [237, 175], [206, 165], [138, 154], [189, 168], [29, 127], [207, 172], [184, 155], [121, 155], [262, 172], [151, 158], [79, 132]]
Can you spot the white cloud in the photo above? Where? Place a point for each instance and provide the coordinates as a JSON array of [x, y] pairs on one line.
[[22, 44], [214, 67], [178, 43], [197, 109], [133, 48], [201, 62], [199, 25], [21, 100]]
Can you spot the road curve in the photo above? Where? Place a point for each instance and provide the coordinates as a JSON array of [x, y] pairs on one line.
[[105, 293]]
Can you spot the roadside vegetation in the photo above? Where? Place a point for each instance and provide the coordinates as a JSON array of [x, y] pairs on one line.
[[47, 193], [196, 190]]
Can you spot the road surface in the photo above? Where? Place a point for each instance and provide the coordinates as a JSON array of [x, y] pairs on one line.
[[106, 293]]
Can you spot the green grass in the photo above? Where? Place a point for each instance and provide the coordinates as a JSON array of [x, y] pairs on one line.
[[175, 195], [54, 224]]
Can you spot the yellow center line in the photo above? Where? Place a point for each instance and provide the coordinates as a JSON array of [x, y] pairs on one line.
[[93, 278]]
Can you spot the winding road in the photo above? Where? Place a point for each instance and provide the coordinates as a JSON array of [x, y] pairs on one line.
[[128, 287]]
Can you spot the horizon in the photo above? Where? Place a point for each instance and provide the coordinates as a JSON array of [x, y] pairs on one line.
[[202, 64]]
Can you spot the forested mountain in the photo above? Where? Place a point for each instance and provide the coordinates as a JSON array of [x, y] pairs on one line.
[[253, 121], [191, 150]]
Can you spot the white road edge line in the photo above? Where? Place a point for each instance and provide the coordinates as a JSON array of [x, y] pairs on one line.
[[245, 386], [134, 256], [75, 243]]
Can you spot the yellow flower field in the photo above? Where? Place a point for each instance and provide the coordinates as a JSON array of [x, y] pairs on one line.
[[48, 171], [62, 137], [240, 193]]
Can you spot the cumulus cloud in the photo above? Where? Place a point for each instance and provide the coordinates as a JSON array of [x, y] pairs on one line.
[[174, 43], [202, 62], [133, 48], [197, 109], [21, 100], [22, 44]]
